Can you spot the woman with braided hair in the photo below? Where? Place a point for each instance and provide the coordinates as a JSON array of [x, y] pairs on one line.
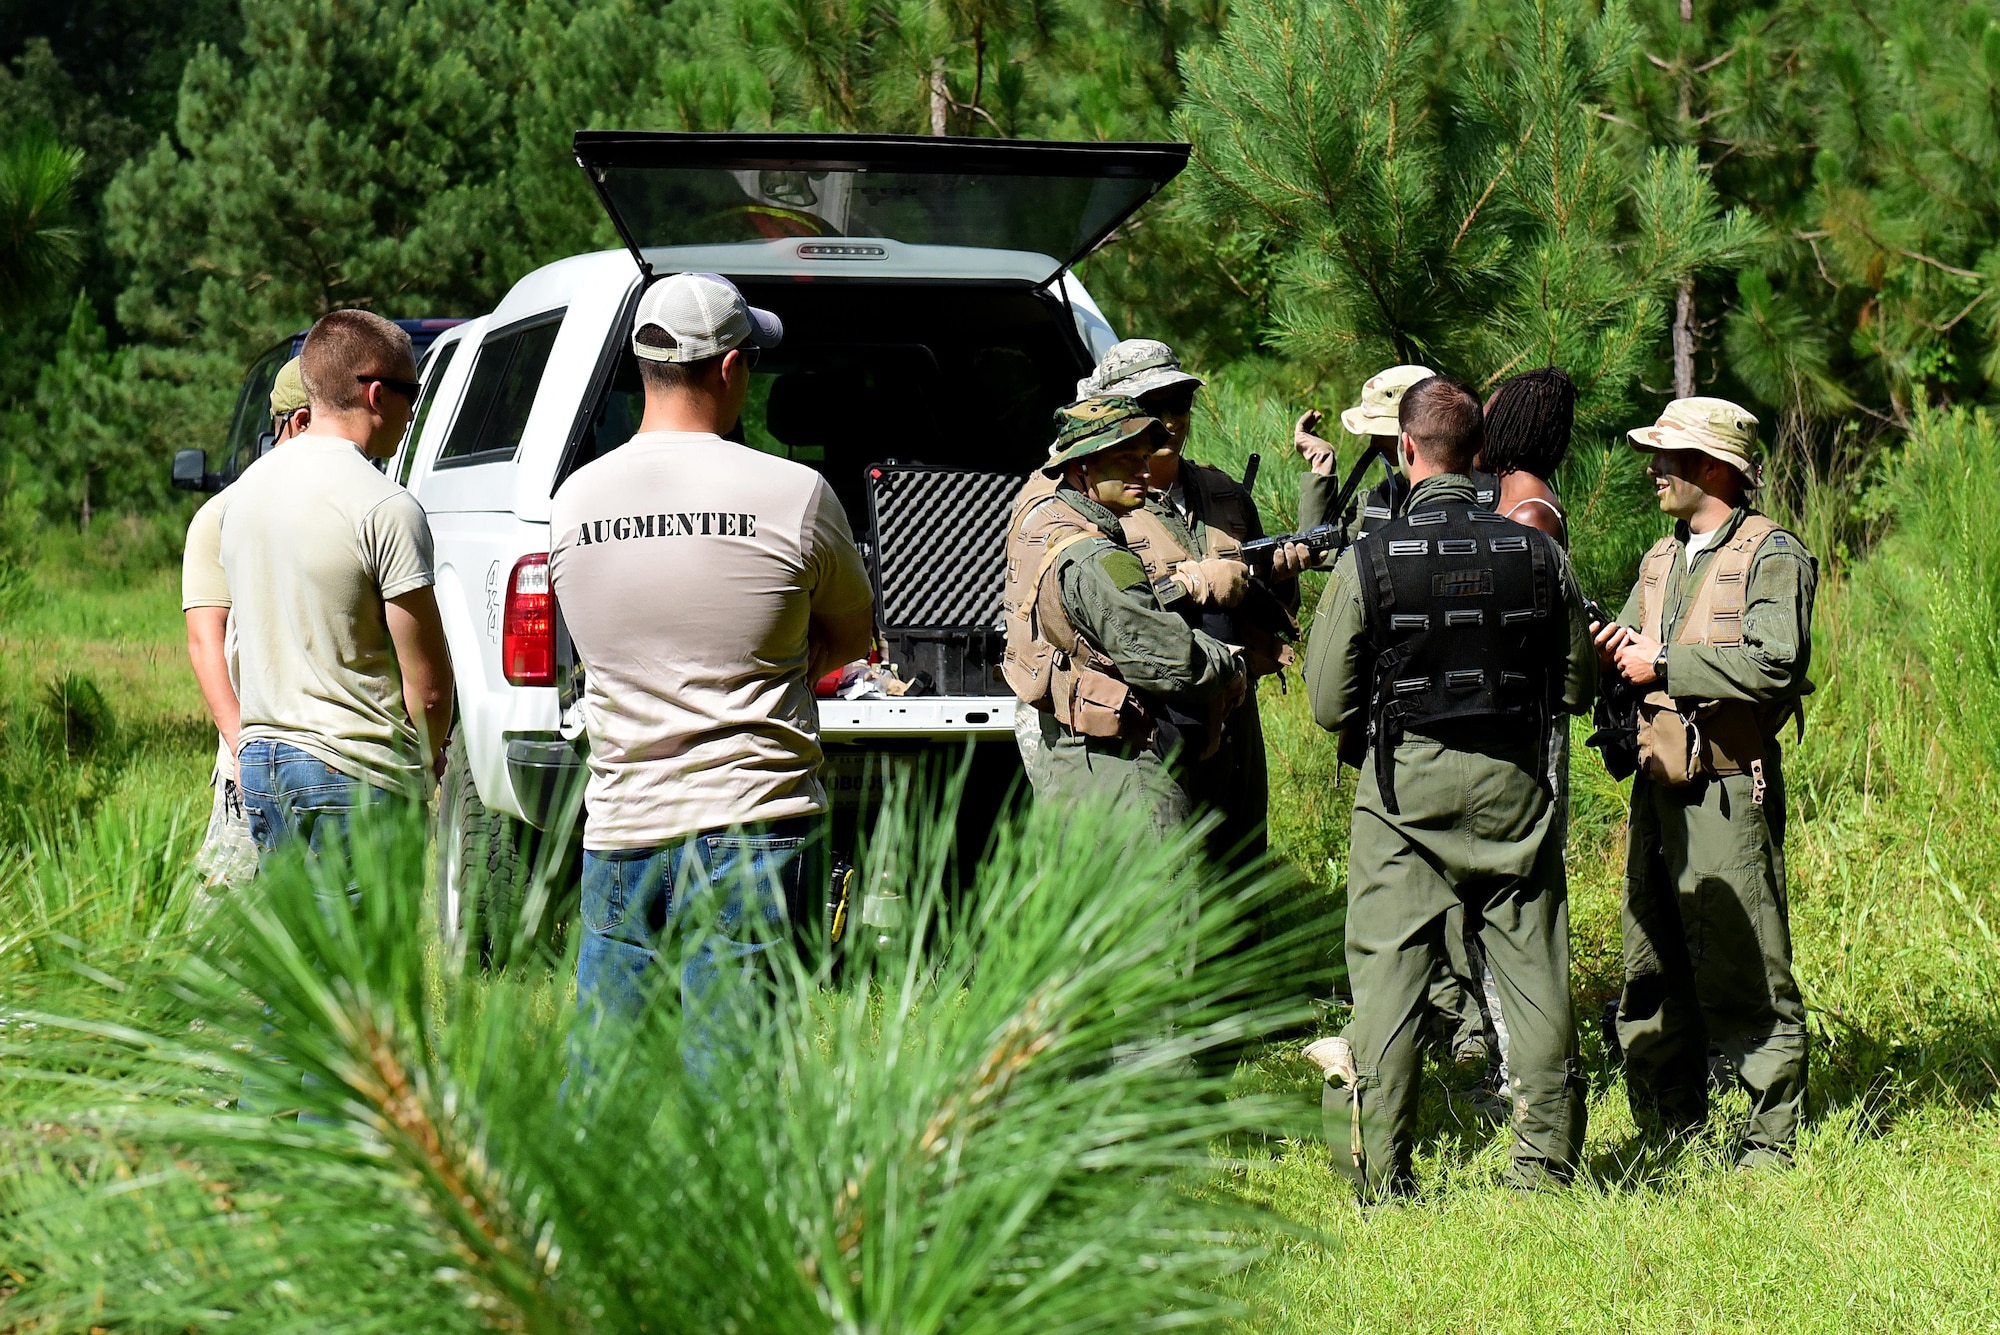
[[1528, 424]]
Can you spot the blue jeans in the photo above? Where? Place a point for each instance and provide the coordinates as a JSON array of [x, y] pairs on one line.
[[642, 902], [292, 794]]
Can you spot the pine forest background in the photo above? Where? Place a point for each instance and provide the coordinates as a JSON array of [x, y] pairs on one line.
[[1789, 204], [1794, 204]]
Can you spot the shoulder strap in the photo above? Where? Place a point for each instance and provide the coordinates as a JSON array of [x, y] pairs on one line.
[[1562, 520], [1653, 571], [1222, 505], [1046, 615], [1153, 541]]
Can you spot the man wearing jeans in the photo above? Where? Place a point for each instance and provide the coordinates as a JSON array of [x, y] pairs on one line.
[[228, 853], [344, 680], [705, 586]]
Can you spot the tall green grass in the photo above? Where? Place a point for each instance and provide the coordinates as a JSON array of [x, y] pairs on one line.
[[1099, 1181], [991, 1124]]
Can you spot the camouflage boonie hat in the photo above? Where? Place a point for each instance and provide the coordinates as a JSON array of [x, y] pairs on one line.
[[1095, 425], [1715, 427], [288, 391], [1136, 366]]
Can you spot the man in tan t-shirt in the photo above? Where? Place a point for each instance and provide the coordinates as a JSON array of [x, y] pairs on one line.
[[227, 853], [343, 677], [705, 586]]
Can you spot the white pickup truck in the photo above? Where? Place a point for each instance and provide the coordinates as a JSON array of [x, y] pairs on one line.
[[932, 326]]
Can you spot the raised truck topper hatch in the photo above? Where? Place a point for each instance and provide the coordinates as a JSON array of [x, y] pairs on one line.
[[1050, 199]]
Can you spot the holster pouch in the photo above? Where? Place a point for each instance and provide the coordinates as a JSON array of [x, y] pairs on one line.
[[1098, 705]]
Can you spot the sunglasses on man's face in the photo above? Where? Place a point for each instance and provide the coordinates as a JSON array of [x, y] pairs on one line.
[[409, 389]]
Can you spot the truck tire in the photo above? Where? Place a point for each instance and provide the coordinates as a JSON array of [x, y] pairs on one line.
[[486, 861]]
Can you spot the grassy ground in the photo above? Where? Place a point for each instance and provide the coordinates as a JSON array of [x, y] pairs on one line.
[[1885, 1223]]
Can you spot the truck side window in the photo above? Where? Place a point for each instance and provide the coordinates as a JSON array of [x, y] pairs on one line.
[[433, 376], [501, 392]]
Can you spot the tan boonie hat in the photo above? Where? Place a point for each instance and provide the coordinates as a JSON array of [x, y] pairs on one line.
[[704, 316], [1136, 366], [1381, 400], [1095, 425], [1715, 427], [288, 391]]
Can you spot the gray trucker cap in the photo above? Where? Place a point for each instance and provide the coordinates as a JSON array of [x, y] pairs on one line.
[[705, 316]]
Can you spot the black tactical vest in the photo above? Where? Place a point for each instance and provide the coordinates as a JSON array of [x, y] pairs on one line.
[[1466, 620]]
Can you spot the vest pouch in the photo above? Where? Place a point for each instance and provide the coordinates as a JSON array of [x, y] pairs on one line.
[[1666, 747], [1729, 738], [1098, 705]]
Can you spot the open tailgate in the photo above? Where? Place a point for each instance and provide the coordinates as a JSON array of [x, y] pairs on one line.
[[1055, 200]]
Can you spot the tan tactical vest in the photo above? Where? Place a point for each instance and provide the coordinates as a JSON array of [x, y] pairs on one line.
[[1047, 663], [1227, 511], [1681, 741]]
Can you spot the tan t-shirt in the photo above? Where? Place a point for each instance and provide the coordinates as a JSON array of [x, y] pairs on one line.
[[313, 541], [203, 584], [688, 570]]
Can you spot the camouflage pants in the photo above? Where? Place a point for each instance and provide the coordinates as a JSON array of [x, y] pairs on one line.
[[1708, 958]]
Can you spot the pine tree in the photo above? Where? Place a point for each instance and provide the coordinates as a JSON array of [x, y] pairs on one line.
[[991, 1125], [1449, 199], [38, 250], [1456, 198]]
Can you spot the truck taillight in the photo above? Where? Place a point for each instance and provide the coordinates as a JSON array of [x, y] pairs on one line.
[[528, 625]]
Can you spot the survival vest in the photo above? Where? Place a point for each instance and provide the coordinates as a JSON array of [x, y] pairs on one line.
[[1046, 662], [1230, 516], [1684, 740], [1465, 621]]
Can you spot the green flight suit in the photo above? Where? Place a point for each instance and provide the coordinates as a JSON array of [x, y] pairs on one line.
[[1458, 997], [1708, 945], [1109, 601], [1477, 838]]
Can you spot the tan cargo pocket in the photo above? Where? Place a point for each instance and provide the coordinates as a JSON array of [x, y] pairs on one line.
[[1100, 705], [1665, 746], [1728, 738]]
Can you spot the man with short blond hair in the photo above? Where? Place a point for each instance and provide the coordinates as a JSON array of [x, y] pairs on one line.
[[344, 679]]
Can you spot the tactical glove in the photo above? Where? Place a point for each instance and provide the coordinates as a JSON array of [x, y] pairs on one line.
[[1215, 582]]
